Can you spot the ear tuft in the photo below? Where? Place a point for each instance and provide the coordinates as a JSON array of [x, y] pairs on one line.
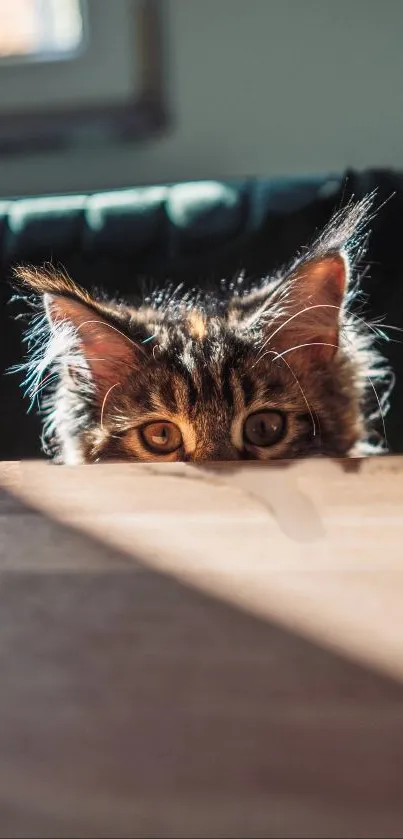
[[49, 280]]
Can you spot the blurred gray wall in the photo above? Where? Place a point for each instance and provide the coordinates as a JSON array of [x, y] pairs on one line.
[[257, 87]]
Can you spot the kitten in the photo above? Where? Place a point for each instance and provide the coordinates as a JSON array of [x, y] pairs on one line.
[[281, 370]]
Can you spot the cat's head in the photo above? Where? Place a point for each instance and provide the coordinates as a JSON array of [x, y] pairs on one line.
[[280, 372]]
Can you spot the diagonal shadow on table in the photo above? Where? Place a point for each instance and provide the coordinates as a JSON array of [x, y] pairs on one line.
[[132, 705]]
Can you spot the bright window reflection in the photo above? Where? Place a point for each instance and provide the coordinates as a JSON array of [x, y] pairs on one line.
[[40, 28]]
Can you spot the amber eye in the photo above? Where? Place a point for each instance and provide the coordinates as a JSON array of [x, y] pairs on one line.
[[161, 437], [265, 428]]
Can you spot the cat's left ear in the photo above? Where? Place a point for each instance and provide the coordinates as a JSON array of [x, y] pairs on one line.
[[84, 333], [109, 354], [311, 308]]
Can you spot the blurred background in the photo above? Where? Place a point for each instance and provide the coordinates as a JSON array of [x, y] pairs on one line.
[[96, 94]]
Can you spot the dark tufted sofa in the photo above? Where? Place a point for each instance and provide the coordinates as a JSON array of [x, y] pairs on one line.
[[195, 233]]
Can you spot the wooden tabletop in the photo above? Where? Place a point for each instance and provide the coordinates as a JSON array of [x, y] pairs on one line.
[[192, 652]]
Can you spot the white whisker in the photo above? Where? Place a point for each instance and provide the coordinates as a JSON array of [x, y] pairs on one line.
[[310, 344], [303, 394], [323, 344], [42, 383], [380, 409], [105, 323], [297, 314], [372, 328], [104, 402]]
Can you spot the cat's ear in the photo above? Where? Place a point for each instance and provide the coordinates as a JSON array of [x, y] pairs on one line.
[[317, 291], [308, 309], [108, 352], [81, 329], [305, 307]]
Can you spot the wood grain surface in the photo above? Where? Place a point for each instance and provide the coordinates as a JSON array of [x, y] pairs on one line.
[[194, 652]]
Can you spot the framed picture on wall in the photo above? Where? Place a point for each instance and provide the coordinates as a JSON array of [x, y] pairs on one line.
[[76, 72]]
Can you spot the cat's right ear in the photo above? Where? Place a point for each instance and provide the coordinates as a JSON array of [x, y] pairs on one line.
[[304, 311], [76, 320]]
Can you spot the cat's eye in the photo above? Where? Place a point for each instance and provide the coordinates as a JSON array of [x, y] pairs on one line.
[[161, 437], [264, 428]]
